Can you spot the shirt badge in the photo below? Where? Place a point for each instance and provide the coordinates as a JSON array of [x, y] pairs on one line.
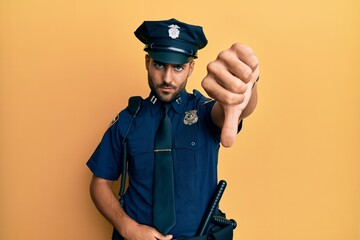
[[191, 117], [174, 31]]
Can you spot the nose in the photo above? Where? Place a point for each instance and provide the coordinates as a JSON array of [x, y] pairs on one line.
[[167, 75]]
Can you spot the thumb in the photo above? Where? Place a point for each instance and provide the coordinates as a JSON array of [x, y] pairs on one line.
[[230, 126], [160, 236]]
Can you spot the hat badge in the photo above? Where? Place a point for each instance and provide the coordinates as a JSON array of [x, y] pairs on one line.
[[174, 31]]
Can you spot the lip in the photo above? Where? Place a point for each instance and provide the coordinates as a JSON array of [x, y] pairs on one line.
[[167, 89]]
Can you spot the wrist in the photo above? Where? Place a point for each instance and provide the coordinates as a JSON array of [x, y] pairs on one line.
[[126, 226]]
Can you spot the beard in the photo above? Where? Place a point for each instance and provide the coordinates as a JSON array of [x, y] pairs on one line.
[[164, 97]]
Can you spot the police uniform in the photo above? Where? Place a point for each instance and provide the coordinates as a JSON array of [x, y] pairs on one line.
[[196, 139]]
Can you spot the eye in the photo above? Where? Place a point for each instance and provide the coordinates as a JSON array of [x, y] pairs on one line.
[[159, 65], [178, 68]]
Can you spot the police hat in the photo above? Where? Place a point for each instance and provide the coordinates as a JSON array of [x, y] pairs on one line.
[[171, 41]]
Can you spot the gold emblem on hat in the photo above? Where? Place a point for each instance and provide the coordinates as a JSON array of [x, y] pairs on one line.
[[174, 31], [191, 117]]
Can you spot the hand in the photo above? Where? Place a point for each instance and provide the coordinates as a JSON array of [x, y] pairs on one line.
[[143, 232], [230, 80]]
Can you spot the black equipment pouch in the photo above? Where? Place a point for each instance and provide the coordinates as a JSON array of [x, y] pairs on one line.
[[221, 233]]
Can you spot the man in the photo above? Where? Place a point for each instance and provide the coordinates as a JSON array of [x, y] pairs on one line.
[[197, 126]]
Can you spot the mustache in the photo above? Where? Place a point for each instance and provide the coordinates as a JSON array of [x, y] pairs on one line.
[[167, 85]]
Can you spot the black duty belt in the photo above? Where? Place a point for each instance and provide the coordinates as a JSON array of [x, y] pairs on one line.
[[216, 233]]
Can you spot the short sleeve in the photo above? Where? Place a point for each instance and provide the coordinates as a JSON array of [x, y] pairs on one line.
[[106, 161]]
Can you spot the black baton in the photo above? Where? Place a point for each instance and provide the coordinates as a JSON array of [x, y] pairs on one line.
[[215, 199], [224, 222]]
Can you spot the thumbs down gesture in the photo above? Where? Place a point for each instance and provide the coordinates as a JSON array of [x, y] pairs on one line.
[[230, 80]]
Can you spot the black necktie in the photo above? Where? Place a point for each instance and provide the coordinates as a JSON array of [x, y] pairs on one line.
[[164, 202]]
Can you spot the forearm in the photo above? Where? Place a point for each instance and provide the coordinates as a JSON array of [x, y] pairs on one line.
[[109, 206]]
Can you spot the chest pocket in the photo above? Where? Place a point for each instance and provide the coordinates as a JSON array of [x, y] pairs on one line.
[[188, 146], [141, 163], [187, 159]]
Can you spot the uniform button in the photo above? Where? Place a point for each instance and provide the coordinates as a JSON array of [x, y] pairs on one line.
[[192, 143]]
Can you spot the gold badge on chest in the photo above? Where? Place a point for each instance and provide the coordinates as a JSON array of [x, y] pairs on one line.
[[191, 117]]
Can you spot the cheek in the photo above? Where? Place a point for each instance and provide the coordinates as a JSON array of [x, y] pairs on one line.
[[181, 78], [154, 76]]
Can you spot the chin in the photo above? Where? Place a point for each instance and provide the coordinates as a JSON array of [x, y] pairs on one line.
[[166, 98]]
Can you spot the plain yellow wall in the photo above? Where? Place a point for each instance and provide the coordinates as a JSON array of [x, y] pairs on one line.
[[67, 67]]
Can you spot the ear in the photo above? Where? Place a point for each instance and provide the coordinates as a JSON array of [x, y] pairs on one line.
[[191, 68], [147, 61]]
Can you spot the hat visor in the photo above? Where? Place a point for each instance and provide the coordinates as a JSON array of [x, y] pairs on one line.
[[170, 57]]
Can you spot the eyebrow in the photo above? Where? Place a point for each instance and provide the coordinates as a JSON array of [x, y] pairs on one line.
[[172, 65]]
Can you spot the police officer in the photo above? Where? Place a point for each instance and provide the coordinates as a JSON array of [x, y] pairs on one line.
[[198, 126]]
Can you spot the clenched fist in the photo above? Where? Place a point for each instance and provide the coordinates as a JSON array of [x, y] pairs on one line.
[[230, 81]]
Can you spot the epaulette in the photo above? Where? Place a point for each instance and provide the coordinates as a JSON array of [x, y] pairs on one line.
[[204, 100], [208, 101]]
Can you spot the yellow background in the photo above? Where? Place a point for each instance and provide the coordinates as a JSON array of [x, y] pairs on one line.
[[67, 68]]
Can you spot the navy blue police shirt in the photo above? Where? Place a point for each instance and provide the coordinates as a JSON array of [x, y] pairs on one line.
[[196, 142]]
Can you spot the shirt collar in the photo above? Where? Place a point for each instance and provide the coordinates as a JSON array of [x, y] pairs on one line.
[[177, 104]]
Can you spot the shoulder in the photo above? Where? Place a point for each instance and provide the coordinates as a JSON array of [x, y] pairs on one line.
[[128, 113], [203, 101]]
